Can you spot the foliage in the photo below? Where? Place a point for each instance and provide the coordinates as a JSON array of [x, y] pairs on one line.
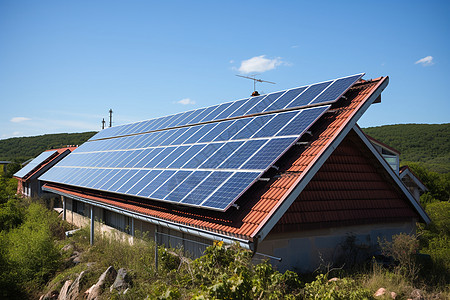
[[428, 144], [403, 248], [28, 253], [8, 189], [438, 184], [22, 148], [345, 288]]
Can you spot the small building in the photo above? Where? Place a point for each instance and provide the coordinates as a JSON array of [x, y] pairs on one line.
[[392, 157], [288, 175], [28, 182]]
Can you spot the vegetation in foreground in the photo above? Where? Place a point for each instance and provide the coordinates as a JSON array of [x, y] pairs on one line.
[[35, 259]]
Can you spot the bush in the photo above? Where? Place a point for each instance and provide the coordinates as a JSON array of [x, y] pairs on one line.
[[403, 249], [345, 288]]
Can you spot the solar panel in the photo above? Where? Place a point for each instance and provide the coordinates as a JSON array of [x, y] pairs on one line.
[[34, 163], [314, 94], [201, 164]]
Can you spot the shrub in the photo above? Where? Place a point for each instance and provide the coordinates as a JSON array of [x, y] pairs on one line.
[[345, 288], [403, 249]]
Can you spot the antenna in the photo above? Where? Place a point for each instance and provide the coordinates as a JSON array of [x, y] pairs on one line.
[[110, 117], [103, 123], [253, 77]]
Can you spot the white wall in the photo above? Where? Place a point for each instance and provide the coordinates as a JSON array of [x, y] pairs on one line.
[[306, 251]]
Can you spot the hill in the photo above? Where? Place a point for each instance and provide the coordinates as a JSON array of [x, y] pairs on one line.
[[22, 148], [428, 144]]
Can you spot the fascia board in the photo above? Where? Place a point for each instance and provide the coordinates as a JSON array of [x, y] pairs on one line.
[[279, 210], [394, 176]]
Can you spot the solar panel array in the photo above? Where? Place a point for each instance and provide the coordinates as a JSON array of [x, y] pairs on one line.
[[206, 157], [34, 163]]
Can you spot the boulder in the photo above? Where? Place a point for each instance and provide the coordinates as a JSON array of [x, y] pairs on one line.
[[75, 287], [393, 295], [380, 292], [122, 282], [105, 279], [64, 290]]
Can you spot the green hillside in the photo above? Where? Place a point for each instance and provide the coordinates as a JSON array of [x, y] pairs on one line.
[[428, 144], [23, 148]]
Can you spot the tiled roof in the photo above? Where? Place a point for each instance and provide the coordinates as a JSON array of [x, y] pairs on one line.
[[262, 200]]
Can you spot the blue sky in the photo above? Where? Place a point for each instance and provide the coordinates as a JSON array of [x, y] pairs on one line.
[[64, 64]]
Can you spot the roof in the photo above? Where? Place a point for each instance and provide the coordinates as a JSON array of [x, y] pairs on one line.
[[264, 204], [406, 171], [44, 165], [383, 145]]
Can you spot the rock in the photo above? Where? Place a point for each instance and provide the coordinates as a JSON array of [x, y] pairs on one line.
[[105, 279], [333, 279], [393, 295], [75, 288], [417, 295], [380, 292], [64, 290], [122, 282], [67, 247]]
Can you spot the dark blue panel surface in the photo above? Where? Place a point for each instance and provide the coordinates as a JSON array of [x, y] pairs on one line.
[[202, 156], [121, 181], [109, 182], [230, 109], [234, 128], [203, 114], [172, 157], [204, 129], [167, 187], [245, 107], [143, 182], [228, 192], [264, 103], [153, 185], [188, 133], [269, 153], [242, 154], [217, 130], [187, 185], [307, 96], [216, 112], [252, 127], [150, 154], [206, 187], [303, 121], [186, 156], [158, 158], [275, 124], [220, 155], [133, 179], [337, 89]]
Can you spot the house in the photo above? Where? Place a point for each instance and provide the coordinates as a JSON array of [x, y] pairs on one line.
[[298, 187], [28, 183], [412, 182], [392, 157]]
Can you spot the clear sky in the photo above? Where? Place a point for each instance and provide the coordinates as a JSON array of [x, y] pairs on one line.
[[64, 64]]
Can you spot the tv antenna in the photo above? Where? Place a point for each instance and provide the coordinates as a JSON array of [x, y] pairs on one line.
[[253, 77]]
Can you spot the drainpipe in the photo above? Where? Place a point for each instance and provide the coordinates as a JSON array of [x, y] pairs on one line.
[[92, 225], [64, 207]]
